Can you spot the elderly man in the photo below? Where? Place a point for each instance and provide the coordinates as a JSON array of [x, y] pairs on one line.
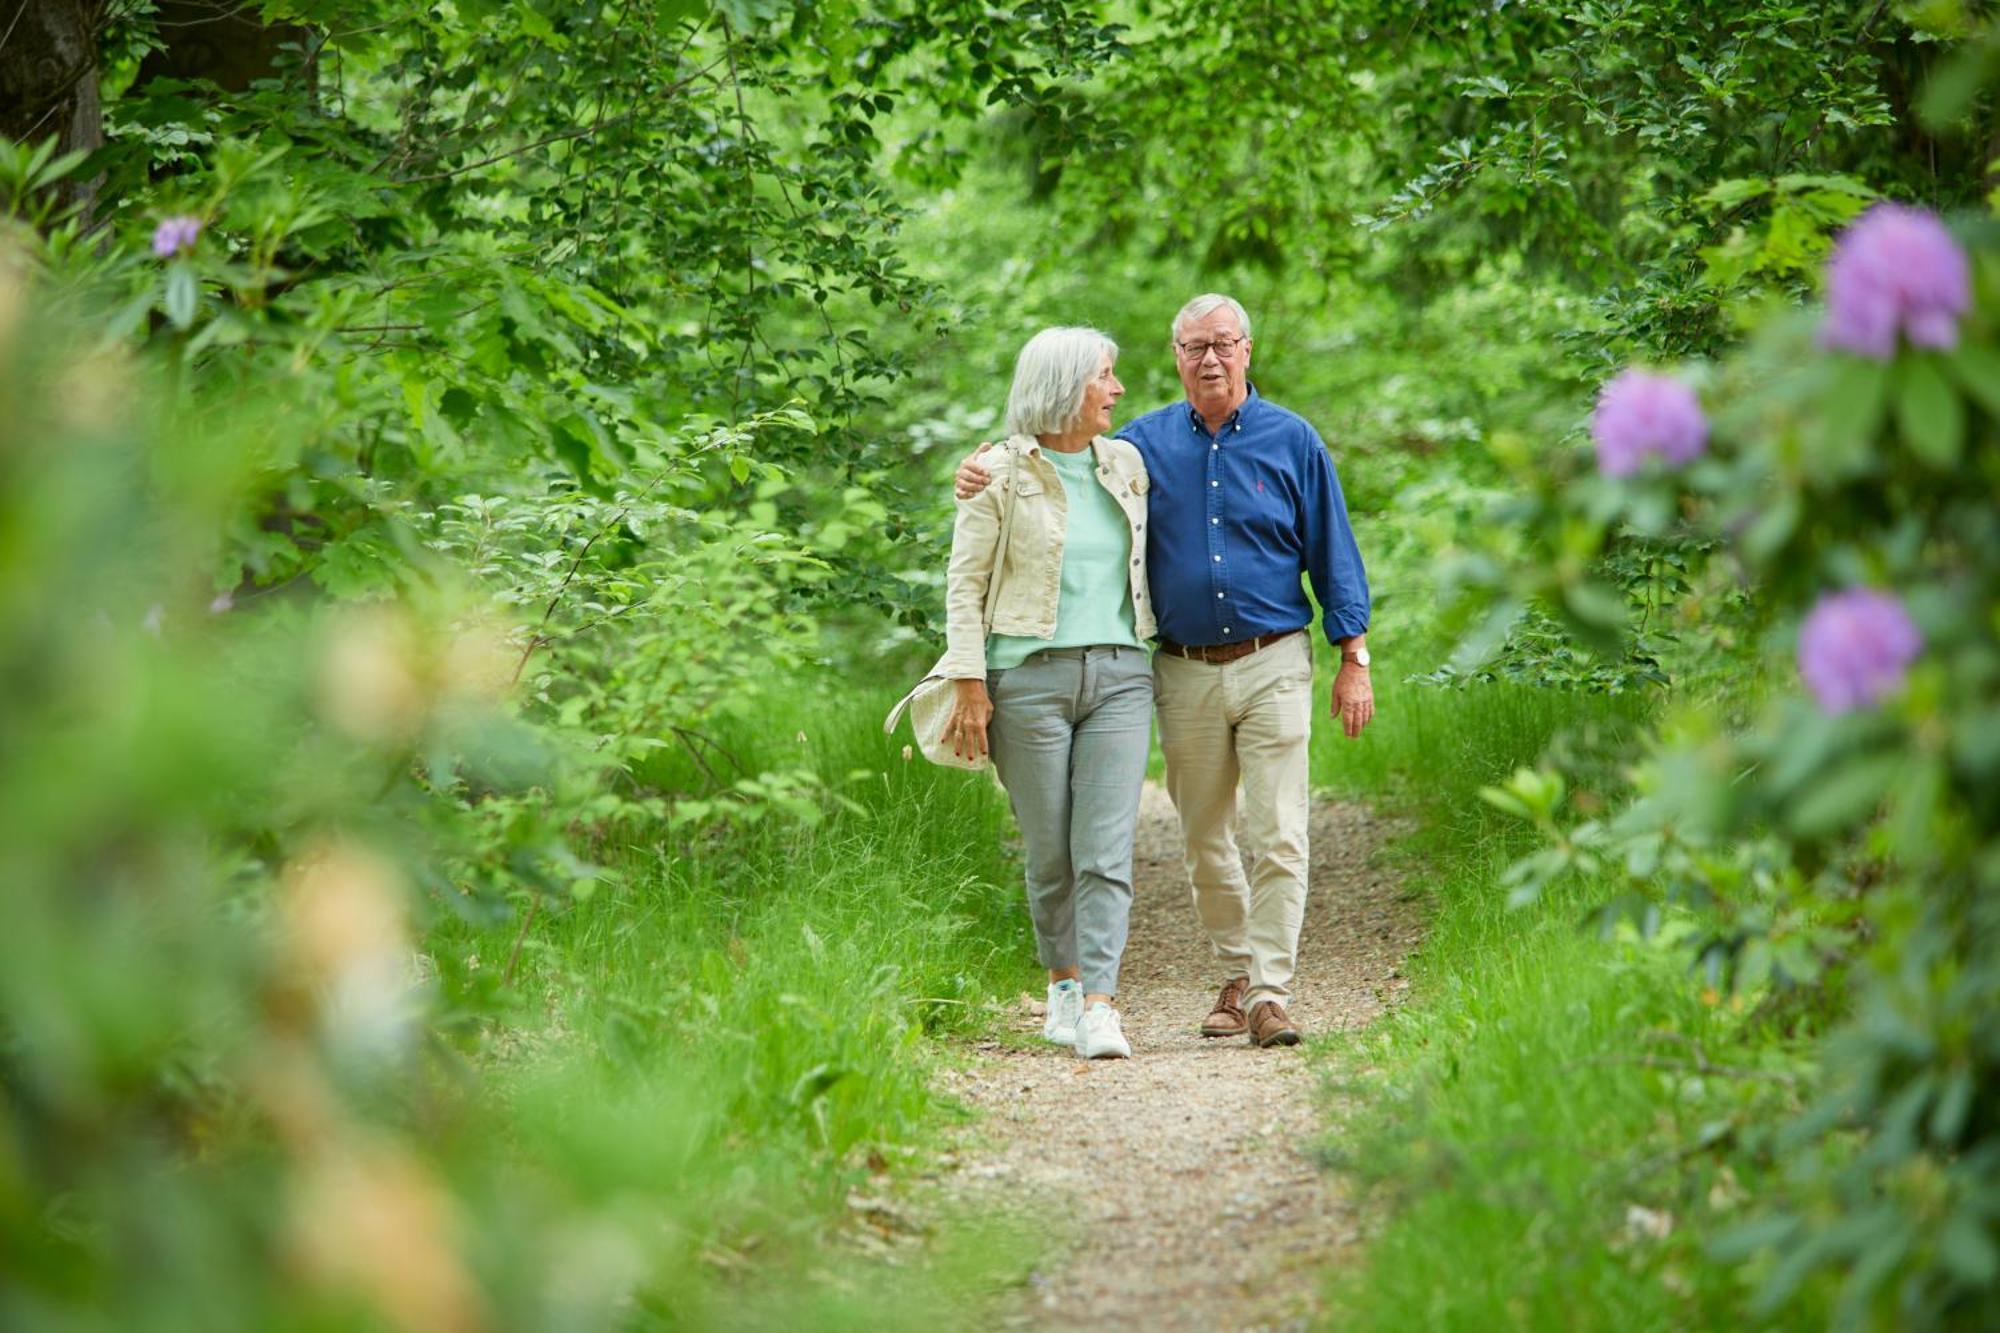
[[1244, 500]]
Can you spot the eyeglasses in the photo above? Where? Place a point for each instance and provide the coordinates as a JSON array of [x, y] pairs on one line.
[[1222, 347]]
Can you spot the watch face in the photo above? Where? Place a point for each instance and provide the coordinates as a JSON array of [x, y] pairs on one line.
[[1358, 656]]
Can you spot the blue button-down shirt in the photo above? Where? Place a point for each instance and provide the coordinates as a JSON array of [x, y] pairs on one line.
[[1236, 516]]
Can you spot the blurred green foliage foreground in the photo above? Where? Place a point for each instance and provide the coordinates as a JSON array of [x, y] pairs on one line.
[[235, 990], [471, 476]]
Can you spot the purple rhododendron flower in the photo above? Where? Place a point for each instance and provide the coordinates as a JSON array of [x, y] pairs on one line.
[[174, 235], [1855, 648], [1896, 270], [1643, 414]]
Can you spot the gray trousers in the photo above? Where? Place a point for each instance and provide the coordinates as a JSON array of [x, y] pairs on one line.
[[1070, 732]]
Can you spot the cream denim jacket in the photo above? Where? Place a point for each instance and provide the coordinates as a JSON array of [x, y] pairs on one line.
[[1031, 567]]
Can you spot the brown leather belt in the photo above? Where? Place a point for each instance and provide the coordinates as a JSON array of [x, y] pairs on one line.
[[1226, 652]]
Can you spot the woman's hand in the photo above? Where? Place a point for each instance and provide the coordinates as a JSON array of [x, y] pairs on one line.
[[970, 712]]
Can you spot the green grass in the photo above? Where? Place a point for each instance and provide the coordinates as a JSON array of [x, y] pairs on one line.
[[1540, 1083], [738, 1031]]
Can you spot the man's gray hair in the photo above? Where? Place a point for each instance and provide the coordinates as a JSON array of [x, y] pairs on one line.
[[1208, 303], [1050, 375]]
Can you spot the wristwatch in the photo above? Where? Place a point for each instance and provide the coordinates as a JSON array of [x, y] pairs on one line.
[[1358, 656]]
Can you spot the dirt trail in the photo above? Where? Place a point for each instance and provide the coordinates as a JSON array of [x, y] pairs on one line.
[[1187, 1171]]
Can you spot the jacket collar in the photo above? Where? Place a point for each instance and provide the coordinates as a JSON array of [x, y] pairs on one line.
[[1032, 447]]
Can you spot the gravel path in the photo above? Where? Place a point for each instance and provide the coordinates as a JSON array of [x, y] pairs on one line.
[[1187, 1172]]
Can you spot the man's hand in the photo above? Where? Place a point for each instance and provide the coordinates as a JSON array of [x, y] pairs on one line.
[[972, 475], [1353, 698]]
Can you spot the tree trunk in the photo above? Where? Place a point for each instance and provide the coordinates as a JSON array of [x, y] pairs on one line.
[[48, 79]]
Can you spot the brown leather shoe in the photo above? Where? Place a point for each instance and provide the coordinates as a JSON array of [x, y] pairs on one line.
[[1270, 1025], [1226, 1019]]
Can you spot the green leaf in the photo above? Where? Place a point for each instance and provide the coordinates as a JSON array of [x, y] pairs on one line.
[[1477, 647], [1949, 91], [739, 468], [181, 295], [1930, 414], [56, 170], [1851, 411], [1739, 1243], [1845, 797], [1595, 604], [1730, 193], [816, 1083], [1767, 535], [1967, 1251], [1953, 1105], [1976, 367], [533, 22]]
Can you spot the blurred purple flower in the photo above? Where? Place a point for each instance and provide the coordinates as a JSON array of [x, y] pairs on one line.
[[1855, 648], [1640, 413], [1896, 270], [174, 235]]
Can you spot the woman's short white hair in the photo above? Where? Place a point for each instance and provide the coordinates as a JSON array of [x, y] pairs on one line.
[[1208, 303], [1050, 375]]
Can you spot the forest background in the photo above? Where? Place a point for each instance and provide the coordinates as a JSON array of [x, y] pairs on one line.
[[472, 477]]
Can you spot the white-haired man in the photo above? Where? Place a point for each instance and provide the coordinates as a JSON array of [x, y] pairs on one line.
[[1244, 500]]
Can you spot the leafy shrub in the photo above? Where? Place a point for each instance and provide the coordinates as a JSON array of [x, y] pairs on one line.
[[1855, 831]]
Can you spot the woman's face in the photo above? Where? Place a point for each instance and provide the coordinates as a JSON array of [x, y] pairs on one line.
[[1100, 396]]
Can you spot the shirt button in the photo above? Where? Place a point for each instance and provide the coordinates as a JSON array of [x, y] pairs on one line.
[[1213, 447], [1227, 630], [1218, 560], [1218, 597], [1215, 483], [1215, 520]]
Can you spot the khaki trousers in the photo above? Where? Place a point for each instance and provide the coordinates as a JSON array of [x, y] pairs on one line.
[[1247, 720]]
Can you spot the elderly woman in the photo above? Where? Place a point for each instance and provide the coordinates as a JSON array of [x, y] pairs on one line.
[[1059, 686]]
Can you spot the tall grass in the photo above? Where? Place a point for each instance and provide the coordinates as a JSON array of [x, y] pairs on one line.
[[736, 1031], [1525, 1127]]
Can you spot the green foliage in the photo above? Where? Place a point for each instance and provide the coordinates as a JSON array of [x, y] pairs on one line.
[[437, 787], [1864, 841], [424, 806], [259, 861]]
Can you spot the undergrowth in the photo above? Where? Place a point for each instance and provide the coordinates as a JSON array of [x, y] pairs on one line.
[[1556, 1125]]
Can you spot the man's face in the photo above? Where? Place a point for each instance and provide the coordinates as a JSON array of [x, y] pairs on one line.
[[1208, 375]]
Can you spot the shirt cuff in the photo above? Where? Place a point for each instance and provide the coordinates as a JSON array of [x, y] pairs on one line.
[[1345, 625]]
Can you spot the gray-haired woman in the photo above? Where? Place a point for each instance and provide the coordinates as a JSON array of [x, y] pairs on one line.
[[1070, 707]]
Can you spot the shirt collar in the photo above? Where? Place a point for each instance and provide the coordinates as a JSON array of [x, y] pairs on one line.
[[1240, 416]]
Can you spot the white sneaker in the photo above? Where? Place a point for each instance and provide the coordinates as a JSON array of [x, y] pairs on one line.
[[1065, 1008], [1098, 1036]]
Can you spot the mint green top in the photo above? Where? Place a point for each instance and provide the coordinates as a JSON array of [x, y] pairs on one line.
[[1096, 603]]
